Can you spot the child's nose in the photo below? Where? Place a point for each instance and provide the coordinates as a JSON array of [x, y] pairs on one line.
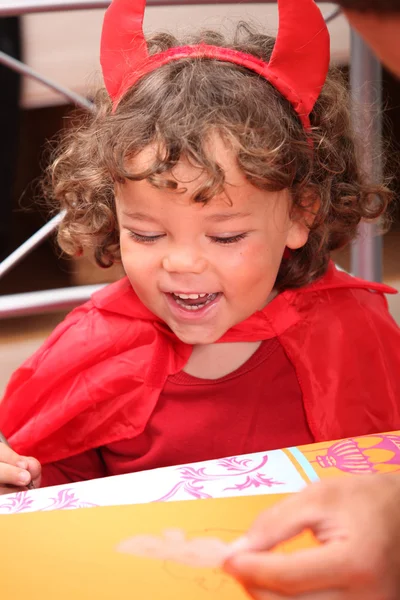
[[184, 260]]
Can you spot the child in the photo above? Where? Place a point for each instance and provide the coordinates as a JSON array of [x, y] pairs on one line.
[[222, 177]]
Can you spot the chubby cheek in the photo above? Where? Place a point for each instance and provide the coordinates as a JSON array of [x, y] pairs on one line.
[[253, 268], [138, 264]]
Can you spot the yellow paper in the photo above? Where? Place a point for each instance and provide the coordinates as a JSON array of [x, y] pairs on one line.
[[71, 554]]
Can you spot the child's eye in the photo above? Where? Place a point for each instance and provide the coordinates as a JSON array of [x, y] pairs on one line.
[[228, 240], [145, 239]]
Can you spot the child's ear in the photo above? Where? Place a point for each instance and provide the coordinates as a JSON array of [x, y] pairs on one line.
[[297, 235], [302, 217]]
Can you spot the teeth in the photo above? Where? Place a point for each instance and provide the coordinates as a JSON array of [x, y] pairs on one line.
[[190, 296], [193, 306], [180, 300]]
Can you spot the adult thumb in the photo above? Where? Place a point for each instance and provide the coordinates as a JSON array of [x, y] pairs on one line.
[[299, 573]]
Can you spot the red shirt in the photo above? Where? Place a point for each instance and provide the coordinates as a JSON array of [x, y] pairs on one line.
[[256, 408]]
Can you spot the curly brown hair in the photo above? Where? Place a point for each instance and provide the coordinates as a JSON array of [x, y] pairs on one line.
[[176, 107]]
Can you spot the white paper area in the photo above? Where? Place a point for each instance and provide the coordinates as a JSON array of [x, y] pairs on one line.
[[248, 475]]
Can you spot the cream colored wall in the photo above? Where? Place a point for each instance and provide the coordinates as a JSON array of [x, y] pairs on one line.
[[64, 46]]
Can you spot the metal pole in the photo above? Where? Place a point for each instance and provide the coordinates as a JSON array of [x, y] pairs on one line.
[[23, 7], [366, 94], [35, 240], [20, 67], [45, 301]]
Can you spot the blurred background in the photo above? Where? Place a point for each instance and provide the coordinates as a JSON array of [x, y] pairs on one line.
[[63, 46]]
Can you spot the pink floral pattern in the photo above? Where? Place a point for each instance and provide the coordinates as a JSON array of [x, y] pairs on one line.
[[192, 480], [23, 502], [260, 473], [253, 474], [66, 498], [15, 503]]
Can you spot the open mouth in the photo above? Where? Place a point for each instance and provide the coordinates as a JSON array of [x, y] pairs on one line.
[[193, 302]]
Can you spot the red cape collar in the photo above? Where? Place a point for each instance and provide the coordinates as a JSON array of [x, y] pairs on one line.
[[280, 314]]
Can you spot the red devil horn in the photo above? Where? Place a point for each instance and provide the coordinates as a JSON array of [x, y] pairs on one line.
[[298, 66], [302, 50], [123, 45]]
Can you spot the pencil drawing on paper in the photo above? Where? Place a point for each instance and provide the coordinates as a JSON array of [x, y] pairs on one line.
[[197, 556]]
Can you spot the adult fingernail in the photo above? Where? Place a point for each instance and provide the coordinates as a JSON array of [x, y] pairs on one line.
[[242, 544], [22, 464], [24, 478]]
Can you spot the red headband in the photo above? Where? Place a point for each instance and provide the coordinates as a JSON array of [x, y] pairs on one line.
[[297, 69]]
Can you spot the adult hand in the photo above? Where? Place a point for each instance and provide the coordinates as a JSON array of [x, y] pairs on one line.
[[357, 523]]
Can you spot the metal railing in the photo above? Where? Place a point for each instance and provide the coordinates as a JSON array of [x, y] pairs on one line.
[[23, 7], [366, 92]]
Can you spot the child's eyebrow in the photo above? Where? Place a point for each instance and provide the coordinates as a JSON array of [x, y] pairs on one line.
[[218, 217], [138, 216]]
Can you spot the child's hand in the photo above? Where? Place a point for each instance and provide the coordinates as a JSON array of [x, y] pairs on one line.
[[16, 471]]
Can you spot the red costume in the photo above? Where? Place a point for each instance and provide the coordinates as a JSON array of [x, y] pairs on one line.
[[98, 378], [255, 408]]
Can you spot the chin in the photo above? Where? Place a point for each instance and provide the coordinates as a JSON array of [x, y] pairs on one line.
[[199, 337]]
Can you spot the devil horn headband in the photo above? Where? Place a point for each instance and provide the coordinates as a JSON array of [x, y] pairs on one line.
[[297, 69]]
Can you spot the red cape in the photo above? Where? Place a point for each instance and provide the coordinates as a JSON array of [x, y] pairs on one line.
[[98, 377]]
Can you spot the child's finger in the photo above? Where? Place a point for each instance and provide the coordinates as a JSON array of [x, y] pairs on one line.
[[11, 475], [9, 456], [35, 469]]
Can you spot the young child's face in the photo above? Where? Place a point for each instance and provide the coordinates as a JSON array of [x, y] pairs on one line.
[[204, 268]]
